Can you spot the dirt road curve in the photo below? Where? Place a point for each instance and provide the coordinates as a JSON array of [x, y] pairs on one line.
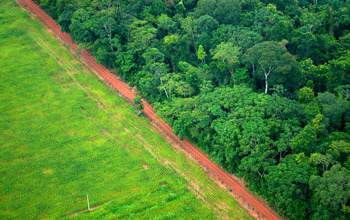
[[255, 206]]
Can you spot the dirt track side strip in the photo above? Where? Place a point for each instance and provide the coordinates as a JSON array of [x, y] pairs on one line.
[[254, 205]]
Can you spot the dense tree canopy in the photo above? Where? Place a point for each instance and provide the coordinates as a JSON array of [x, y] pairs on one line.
[[262, 86]]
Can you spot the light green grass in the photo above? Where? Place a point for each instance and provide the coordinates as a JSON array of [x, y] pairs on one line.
[[64, 134]]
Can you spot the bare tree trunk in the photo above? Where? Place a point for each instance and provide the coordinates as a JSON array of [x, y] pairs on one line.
[[233, 76], [117, 8], [261, 174], [166, 93], [169, 91], [109, 35], [194, 42], [266, 76]]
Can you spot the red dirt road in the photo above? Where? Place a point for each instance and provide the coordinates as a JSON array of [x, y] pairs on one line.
[[254, 205]]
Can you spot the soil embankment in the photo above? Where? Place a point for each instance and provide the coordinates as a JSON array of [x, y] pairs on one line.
[[255, 206]]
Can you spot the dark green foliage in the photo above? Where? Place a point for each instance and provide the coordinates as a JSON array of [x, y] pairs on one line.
[[288, 186], [241, 36], [333, 188], [225, 11], [338, 73], [190, 4], [207, 65]]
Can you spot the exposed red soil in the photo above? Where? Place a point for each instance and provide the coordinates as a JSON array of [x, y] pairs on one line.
[[254, 205]]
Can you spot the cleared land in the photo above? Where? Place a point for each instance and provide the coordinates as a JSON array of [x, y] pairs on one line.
[[64, 134]]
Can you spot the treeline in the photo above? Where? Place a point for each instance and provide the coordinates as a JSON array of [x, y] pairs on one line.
[[262, 86]]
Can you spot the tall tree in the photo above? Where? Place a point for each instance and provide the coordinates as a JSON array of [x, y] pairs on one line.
[[272, 62], [338, 72], [228, 11], [188, 25], [229, 54], [141, 35], [288, 185], [82, 26], [225, 11], [333, 188], [240, 36], [306, 140]]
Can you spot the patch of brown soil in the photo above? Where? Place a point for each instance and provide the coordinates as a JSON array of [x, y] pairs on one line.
[[145, 166]]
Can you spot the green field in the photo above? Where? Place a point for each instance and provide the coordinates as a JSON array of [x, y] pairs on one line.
[[64, 134]]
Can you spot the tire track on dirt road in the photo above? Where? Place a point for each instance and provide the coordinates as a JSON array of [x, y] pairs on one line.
[[254, 205]]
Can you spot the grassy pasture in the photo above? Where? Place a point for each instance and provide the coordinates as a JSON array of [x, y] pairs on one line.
[[64, 134]]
